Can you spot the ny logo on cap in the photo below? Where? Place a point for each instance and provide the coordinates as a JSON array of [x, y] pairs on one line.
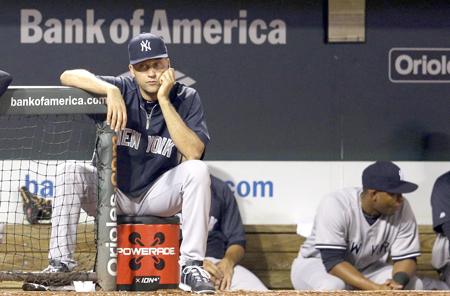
[[401, 174], [145, 44]]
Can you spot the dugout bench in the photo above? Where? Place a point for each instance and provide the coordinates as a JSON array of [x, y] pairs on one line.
[[270, 251]]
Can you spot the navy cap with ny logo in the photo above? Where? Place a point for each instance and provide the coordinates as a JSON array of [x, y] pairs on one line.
[[386, 176], [146, 46]]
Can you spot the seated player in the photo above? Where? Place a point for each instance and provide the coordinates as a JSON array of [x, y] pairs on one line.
[[161, 138], [226, 237], [226, 242], [354, 232], [440, 206]]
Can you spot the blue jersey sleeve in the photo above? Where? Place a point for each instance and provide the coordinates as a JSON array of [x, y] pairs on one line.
[[226, 226], [232, 225], [193, 117]]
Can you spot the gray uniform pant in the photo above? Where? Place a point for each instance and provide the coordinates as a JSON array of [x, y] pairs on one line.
[[243, 279], [187, 187], [310, 274]]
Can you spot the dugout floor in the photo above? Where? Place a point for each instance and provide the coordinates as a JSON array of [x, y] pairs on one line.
[[14, 288]]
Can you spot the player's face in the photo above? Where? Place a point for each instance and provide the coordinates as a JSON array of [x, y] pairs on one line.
[[388, 203], [148, 74]]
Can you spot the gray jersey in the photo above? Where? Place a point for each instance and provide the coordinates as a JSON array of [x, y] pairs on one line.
[[340, 224]]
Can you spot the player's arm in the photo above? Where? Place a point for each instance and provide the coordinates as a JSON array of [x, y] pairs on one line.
[[233, 255], [335, 264], [233, 229], [222, 273], [350, 275], [186, 141], [403, 271], [117, 112], [406, 247]]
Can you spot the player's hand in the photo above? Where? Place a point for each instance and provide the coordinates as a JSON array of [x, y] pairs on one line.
[[227, 268], [394, 285], [167, 80], [214, 271], [116, 117], [390, 285]]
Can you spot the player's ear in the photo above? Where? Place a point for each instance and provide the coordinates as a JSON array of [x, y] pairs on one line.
[[168, 63], [131, 70]]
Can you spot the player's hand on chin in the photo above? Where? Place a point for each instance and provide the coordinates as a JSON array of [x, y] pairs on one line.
[[167, 80]]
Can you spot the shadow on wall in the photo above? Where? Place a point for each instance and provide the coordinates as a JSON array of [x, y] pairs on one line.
[[409, 144], [436, 146]]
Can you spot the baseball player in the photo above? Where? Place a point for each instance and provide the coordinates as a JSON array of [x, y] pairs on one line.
[[5, 80], [355, 230], [440, 206], [226, 242], [226, 235], [161, 137]]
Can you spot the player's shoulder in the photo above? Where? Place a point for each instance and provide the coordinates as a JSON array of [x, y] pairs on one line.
[[183, 92], [219, 188], [217, 183], [122, 82], [346, 200], [443, 179]]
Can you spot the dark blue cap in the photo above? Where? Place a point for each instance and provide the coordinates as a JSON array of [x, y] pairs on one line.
[[386, 176], [146, 46]]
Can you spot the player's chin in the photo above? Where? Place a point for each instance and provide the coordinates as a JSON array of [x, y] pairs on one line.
[[151, 90]]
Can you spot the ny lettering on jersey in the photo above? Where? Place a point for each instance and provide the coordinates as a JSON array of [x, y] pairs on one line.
[[160, 145], [156, 144], [129, 138], [377, 250], [382, 249], [355, 248]]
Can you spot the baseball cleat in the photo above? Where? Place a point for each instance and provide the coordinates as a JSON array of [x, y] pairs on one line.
[[195, 279], [34, 287], [56, 266]]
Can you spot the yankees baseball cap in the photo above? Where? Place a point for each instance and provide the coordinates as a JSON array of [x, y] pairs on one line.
[[146, 46], [386, 176]]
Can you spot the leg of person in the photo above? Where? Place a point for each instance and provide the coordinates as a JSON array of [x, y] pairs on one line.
[[430, 284], [186, 187], [440, 257], [445, 274], [75, 189], [379, 272], [310, 274], [244, 279]]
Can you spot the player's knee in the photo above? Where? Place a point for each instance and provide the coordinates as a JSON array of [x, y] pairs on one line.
[[331, 283], [198, 169], [415, 284]]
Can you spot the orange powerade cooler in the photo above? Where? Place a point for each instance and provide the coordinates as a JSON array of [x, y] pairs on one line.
[[148, 250]]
